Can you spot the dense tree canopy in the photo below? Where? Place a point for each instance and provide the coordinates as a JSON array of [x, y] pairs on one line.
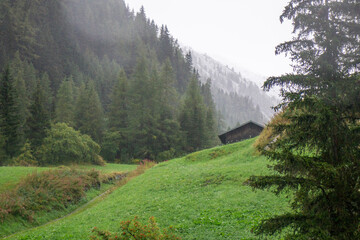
[[121, 84], [316, 152]]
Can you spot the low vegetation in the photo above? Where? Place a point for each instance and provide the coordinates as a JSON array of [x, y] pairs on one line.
[[133, 229], [202, 196], [36, 195], [64, 145]]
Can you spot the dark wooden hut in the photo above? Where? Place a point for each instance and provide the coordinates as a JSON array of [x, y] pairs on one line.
[[245, 131]]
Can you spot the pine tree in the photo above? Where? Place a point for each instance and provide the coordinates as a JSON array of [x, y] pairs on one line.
[[192, 117], [22, 100], [316, 151], [119, 106], [89, 116], [48, 95], [116, 139], [210, 120], [143, 124], [65, 104], [9, 115], [169, 128], [39, 120]]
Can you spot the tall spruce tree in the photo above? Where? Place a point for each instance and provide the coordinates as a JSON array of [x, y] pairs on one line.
[[22, 100], [39, 119], [65, 104], [9, 116], [143, 118], [168, 126], [210, 119], [192, 117], [116, 140], [315, 151], [89, 116], [119, 106]]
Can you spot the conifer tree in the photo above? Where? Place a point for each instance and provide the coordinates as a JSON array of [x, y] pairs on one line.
[[210, 120], [48, 95], [143, 124], [22, 100], [116, 139], [9, 115], [65, 104], [119, 106], [192, 117], [39, 120], [169, 128], [89, 116], [316, 148]]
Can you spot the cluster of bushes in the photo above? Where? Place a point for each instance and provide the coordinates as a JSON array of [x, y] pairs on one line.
[[46, 191], [62, 145], [133, 229]]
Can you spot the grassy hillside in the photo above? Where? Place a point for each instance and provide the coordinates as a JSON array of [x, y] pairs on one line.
[[202, 195]]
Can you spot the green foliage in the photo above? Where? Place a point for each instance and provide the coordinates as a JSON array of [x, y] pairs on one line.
[[9, 116], [64, 145], [192, 117], [119, 106], [65, 103], [48, 191], [133, 229], [89, 116], [39, 119], [315, 144], [26, 157], [125, 91]]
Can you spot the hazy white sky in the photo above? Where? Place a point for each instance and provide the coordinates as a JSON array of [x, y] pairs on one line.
[[240, 33]]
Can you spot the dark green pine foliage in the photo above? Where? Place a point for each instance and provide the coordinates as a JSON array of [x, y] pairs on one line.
[[169, 138], [116, 140], [9, 116], [65, 103], [210, 118], [39, 119], [89, 116], [48, 95], [193, 117], [119, 106], [143, 125], [22, 100], [316, 154]]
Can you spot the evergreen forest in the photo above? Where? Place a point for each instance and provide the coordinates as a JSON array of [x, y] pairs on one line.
[[93, 80]]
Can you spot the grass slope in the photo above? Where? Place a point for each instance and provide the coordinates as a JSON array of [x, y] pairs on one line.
[[202, 195]]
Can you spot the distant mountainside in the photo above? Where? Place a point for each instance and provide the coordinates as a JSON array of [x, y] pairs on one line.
[[239, 99]]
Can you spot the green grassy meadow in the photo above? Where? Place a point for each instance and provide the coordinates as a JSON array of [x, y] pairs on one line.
[[202, 195]]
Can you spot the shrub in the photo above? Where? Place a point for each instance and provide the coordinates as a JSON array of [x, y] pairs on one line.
[[133, 229], [47, 191], [268, 134], [64, 145], [26, 157]]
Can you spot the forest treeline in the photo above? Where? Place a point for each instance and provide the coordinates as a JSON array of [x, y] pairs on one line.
[[74, 69]]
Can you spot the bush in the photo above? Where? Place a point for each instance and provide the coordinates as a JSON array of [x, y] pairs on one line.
[[64, 145], [47, 191], [133, 229], [268, 135], [26, 157]]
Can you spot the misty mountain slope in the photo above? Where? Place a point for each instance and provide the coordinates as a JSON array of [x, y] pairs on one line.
[[237, 98]]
